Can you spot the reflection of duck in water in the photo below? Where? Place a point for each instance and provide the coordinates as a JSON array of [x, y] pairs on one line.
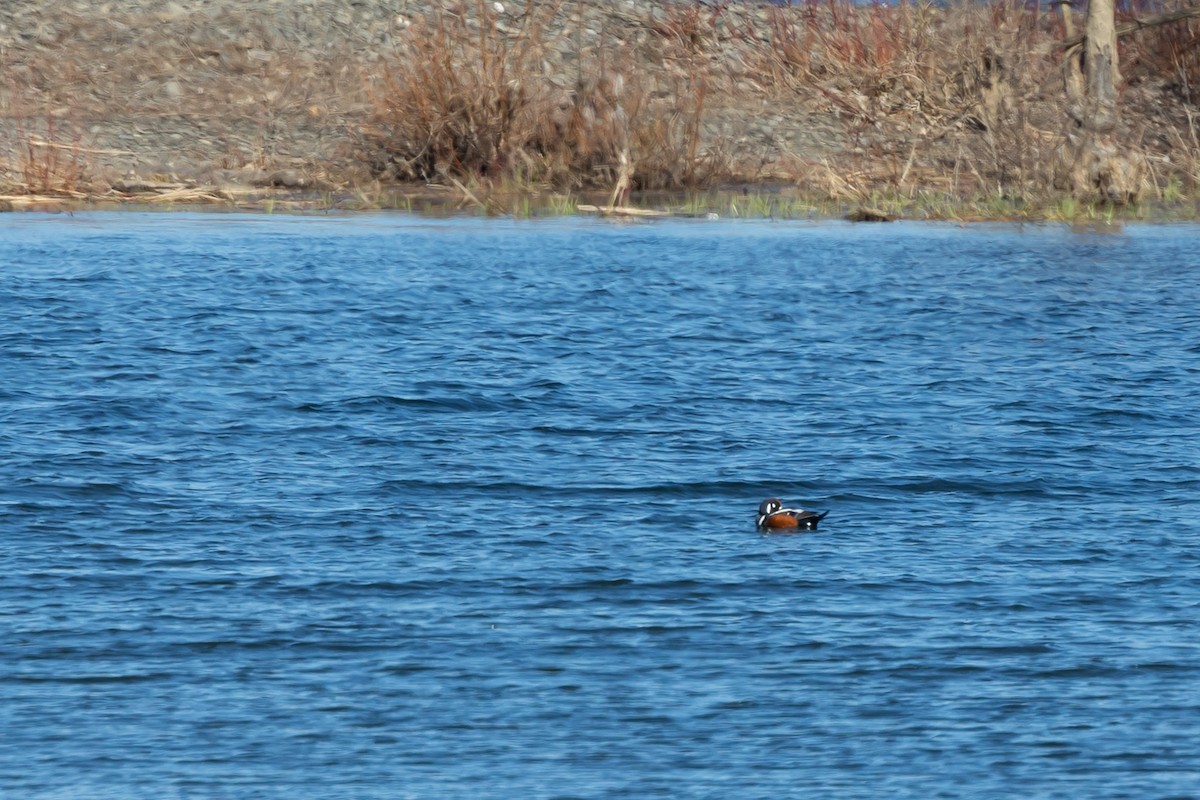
[[772, 516]]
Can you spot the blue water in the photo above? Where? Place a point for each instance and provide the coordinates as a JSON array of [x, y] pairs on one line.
[[383, 507]]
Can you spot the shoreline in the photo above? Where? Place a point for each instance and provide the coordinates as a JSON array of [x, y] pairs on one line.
[[441, 202], [312, 104]]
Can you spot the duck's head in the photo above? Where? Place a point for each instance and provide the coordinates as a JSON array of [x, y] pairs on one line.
[[770, 506]]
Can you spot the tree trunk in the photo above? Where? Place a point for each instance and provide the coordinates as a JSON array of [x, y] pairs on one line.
[[1098, 168]]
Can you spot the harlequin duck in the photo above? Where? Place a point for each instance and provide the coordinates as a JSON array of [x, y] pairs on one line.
[[773, 516]]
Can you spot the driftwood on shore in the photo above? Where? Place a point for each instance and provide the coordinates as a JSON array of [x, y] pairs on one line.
[[137, 186], [621, 211]]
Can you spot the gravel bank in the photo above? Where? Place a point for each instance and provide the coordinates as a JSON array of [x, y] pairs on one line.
[[218, 92]]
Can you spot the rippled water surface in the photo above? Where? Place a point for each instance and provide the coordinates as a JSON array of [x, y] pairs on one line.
[[383, 507]]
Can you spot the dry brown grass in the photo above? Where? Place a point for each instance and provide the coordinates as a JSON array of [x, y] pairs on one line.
[[456, 98], [462, 98], [40, 156], [957, 98], [961, 99], [968, 98]]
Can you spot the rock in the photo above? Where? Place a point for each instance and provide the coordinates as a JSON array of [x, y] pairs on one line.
[[286, 179], [869, 215]]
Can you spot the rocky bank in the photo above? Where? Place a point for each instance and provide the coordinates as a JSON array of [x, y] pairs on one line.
[[133, 94]]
